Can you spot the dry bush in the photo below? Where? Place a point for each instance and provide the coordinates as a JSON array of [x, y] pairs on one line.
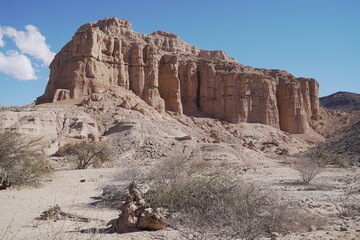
[[86, 153], [308, 169], [217, 205], [347, 204], [21, 160]]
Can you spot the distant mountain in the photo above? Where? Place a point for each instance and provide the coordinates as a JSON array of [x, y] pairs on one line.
[[343, 101]]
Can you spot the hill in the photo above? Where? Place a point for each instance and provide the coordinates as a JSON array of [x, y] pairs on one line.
[[343, 101], [348, 143]]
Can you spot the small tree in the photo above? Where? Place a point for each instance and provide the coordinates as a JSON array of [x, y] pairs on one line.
[[86, 154], [21, 159], [308, 169]]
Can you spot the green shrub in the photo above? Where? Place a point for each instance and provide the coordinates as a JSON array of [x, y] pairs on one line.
[[328, 158], [21, 159], [85, 154]]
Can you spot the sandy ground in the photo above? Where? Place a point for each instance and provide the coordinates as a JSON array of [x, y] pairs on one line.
[[21, 207], [319, 197]]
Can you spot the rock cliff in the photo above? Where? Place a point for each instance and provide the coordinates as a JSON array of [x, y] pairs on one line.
[[171, 75]]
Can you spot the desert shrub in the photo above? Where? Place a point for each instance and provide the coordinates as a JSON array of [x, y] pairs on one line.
[[339, 160], [308, 169], [86, 153], [347, 204], [328, 158], [21, 159], [216, 205]]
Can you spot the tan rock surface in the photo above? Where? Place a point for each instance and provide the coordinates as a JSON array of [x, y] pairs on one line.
[[172, 75], [141, 135], [53, 125], [136, 215]]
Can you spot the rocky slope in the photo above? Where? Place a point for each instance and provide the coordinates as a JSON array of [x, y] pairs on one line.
[[347, 143], [139, 134], [342, 101], [171, 75]]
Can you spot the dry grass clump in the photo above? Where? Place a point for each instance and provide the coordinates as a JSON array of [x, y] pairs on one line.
[[216, 205], [21, 160]]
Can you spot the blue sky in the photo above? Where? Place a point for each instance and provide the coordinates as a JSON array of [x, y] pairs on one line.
[[308, 38]]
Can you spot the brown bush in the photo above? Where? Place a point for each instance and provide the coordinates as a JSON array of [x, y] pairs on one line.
[[348, 204], [216, 205], [308, 169]]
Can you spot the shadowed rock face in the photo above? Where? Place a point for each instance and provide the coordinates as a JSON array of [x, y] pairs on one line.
[[171, 75]]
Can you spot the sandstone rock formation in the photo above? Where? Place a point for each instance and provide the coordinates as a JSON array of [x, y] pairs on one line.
[[172, 75], [135, 214]]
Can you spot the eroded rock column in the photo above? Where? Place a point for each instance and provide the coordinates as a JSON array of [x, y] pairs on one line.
[[169, 83], [292, 114]]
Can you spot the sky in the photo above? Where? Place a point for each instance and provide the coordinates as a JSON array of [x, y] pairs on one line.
[[307, 38]]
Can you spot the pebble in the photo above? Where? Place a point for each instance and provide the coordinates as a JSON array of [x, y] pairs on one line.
[[312, 228], [343, 229]]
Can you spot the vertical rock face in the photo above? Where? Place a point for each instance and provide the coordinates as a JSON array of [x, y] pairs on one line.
[[171, 75]]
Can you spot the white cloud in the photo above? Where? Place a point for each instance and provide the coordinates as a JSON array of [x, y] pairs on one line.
[[17, 65], [2, 43], [31, 42]]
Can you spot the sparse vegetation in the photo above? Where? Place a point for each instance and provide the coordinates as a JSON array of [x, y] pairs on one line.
[[326, 158], [347, 205], [213, 203], [86, 153], [21, 159], [308, 169], [347, 144]]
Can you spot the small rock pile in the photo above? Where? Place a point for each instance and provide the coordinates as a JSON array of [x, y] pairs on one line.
[[137, 215]]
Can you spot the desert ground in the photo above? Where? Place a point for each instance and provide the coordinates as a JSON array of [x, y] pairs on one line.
[[80, 192]]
